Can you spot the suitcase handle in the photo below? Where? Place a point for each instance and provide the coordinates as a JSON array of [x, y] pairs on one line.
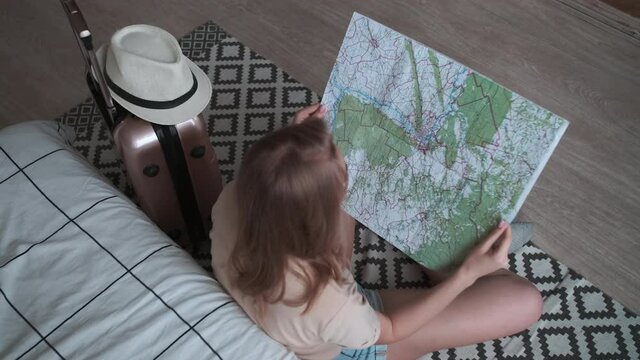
[[95, 79]]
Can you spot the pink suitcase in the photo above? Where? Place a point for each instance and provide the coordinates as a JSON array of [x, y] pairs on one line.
[[173, 169]]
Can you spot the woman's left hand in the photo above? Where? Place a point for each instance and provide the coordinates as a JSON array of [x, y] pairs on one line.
[[315, 110]]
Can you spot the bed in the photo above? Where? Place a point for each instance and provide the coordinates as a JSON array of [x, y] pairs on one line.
[[84, 274]]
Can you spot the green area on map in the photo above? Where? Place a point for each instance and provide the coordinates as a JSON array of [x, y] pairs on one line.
[[437, 154]]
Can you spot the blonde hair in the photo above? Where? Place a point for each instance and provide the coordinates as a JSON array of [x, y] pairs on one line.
[[289, 190]]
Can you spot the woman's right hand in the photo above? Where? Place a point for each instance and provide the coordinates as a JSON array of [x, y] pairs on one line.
[[489, 255]]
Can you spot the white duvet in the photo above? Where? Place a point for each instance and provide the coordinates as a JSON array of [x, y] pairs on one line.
[[85, 275]]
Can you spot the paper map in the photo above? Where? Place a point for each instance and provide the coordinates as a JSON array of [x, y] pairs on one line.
[[436, 153]]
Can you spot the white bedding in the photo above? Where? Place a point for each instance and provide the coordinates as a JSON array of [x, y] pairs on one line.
[[85, 275]]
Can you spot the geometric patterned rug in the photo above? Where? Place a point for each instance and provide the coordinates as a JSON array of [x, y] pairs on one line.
[[252, 96]]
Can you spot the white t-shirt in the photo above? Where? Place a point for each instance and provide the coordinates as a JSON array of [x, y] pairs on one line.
[[340, 316]]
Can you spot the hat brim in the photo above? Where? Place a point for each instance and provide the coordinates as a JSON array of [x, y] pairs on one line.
[[183, 112]]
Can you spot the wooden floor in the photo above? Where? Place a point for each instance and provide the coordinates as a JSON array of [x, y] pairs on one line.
[[587, 202]]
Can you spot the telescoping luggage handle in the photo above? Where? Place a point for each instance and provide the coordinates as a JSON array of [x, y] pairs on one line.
[[95, 78]]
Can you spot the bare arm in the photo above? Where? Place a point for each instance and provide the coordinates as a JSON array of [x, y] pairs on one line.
[[406, 320], [488, 256]]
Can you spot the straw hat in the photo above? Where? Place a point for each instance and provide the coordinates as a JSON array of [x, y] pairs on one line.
[[149, 76]]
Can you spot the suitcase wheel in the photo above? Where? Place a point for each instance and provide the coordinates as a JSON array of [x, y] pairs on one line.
[[151, 170], [198, 152]]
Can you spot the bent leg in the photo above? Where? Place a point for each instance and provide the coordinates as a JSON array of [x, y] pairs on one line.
[[496, 305]]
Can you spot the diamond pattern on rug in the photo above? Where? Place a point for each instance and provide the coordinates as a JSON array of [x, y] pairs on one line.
[[251, 97]]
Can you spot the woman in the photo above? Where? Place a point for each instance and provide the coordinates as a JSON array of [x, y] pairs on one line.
[[281, 246]]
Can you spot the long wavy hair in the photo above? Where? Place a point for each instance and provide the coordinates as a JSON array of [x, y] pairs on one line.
[[289, 190]]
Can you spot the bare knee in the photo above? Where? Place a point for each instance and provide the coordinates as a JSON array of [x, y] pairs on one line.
[[524, 300], [529, 301]]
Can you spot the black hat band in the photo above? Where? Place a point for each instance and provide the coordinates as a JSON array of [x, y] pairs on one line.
[[151, 104]]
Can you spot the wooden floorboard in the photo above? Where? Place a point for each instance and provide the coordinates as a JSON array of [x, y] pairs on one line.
[[586, 204]]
